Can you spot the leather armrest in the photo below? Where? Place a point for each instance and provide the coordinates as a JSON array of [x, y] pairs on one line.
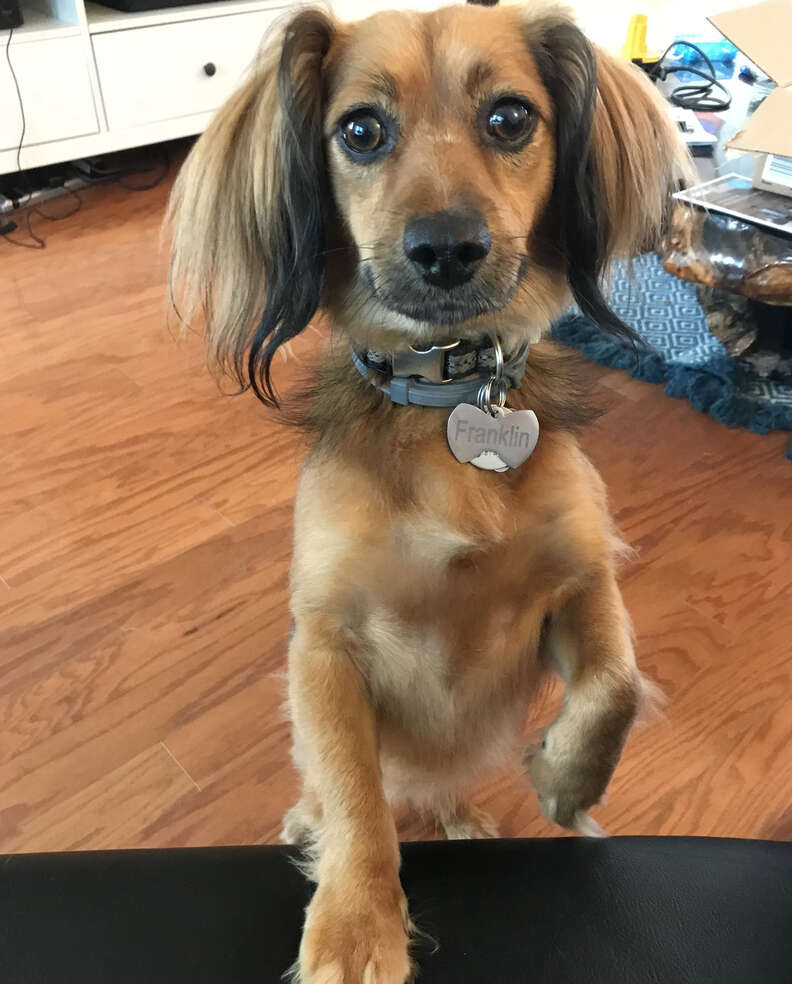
[[632, 910]]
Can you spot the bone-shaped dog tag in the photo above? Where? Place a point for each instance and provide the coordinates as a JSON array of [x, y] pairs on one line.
[[492, 442]]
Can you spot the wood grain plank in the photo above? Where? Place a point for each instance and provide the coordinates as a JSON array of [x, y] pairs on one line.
[[120, 809], [55, 675], [92, 712]]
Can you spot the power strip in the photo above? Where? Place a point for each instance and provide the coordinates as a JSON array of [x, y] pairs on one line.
[[39, 195]]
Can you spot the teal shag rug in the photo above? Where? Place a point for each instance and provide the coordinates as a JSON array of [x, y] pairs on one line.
[[683, 354]]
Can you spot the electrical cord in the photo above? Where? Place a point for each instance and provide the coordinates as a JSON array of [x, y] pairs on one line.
[[19, 101], [699, 97], [37, 241], [147, 186]]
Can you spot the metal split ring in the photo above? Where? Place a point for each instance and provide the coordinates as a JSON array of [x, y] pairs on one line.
[[499, 364], [496, 386]]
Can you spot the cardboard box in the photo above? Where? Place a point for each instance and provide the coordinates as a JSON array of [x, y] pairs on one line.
[[764, 34]]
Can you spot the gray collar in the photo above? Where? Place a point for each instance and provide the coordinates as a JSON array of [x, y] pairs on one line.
[[440, 376]]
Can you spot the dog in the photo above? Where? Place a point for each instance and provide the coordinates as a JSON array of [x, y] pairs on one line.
[[439, 186]]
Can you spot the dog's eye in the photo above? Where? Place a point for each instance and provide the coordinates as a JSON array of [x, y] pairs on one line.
[[511, 121], [363, 132]]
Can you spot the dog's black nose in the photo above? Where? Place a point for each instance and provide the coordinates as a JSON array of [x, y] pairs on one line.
[[447, 247]]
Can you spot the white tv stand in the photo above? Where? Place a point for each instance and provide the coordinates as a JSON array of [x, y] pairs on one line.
[[94, 80]]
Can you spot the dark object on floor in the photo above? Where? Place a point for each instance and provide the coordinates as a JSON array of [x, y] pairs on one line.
[[26, 190], [720, 250], [638, 910], [759, 335], [684, 354]]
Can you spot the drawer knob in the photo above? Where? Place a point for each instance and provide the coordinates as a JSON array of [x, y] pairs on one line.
[[210, 68]]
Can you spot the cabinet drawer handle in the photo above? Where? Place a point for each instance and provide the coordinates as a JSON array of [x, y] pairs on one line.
[[210, 68]]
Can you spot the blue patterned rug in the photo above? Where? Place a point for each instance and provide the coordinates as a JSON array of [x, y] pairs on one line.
[[684, 354]]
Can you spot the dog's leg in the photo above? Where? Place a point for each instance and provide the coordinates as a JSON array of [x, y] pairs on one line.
[[589, 643], [356, 925]]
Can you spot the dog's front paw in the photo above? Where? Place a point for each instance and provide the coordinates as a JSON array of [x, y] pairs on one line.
[[569, 778], [352, 938]]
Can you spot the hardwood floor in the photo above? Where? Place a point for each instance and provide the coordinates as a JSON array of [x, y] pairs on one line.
[[144, 547]]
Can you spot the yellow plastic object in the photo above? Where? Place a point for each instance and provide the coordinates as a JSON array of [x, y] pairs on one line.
[[634, 48]]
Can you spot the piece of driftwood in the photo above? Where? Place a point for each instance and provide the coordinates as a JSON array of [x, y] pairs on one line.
[[757, 334], [722, 251]]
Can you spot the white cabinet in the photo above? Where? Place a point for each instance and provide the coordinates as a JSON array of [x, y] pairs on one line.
[[93, 80], [160, 73], [58, 101]]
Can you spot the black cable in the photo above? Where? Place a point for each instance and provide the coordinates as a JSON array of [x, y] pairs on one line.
[[19, 101], [698, 97], [66, 215], [164, 164], [38, 242], [687, 44]]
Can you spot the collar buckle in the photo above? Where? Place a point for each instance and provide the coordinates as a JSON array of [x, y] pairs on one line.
[[429, 363]]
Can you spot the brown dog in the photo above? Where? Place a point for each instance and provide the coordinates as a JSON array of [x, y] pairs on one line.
[[443, 179]]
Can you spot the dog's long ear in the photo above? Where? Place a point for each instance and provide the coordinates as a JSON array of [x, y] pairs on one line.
[[618, 160], [248, 209]]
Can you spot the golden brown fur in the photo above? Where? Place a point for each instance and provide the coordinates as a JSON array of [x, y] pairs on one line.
[[428, 597]]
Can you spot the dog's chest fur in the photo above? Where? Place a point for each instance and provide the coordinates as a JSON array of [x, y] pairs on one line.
[[441, 598]]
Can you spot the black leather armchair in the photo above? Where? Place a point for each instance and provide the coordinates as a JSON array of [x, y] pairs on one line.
[[634, 910]]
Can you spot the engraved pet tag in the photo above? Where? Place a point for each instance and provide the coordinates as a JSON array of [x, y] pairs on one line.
[[493, 443]]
